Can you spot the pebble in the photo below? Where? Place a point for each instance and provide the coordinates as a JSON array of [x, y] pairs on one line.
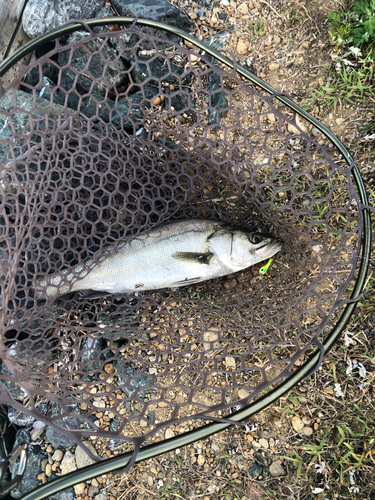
[[230, 362], [264, 443], [255, 471], [243, 9], [79, 488], [297, 423], [36, 434], [276, 40], [169, 434], [274, 66], [48, 470], [57, 456], [276, 469], [82, 458], [209, 337], [305, 45], [93, 490], [68, 463], [243, 393], [315, 131], [307, 431], [201, 459], [242, 47]]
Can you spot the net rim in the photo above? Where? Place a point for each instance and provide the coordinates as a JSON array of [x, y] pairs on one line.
[[149, 451]]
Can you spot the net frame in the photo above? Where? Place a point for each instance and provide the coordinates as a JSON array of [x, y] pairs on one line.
[[313, 361]]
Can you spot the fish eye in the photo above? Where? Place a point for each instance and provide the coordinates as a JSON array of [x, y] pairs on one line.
[[255, 238]]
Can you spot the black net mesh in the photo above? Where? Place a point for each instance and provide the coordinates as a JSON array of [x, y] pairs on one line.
[[130, 130]]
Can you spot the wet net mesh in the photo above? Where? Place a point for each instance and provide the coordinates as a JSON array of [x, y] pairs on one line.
[[107, 134]]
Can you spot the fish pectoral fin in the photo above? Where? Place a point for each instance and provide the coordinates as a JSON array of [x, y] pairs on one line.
[[200, 258], [186, 281]]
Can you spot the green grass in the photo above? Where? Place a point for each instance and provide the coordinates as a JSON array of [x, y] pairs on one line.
[[350, 76]]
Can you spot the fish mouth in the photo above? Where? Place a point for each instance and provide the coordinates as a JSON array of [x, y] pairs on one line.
[[269, 249]]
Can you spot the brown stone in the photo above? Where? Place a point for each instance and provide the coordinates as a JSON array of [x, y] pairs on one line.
[[274, 66], [242, 47], [109, 368]]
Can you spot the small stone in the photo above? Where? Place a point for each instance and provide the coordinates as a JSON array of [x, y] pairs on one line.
[[109, 368], [79, 488], [193, 16], [297, 423], [157, 101], [255, 471], [82, 458], [273, 66], [251, 5], [305, 420], [243, 393], [264, 443], [305, 45], [37, 433], [102, 496], [201, 459], [93, 490], [242, 47], [48, 470], [340, 121], [307, 431], [169, 434], [58, 455], [68, 463], [150, 481], [315, 131], [230, 362], [276, 469], [243, 9], [209, 338]]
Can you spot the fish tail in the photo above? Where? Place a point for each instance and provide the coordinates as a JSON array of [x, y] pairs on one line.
[[51, 287]]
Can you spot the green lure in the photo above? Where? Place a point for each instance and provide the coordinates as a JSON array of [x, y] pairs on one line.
[[264, 269]]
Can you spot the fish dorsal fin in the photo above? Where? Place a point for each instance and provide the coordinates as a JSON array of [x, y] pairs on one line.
[[197, 258]]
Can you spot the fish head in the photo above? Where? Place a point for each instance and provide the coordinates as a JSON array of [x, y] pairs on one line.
[[240, 249]]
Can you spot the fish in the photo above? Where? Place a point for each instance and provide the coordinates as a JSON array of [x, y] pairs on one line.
[[173, 255]]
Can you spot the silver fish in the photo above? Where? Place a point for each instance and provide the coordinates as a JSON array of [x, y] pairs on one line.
[[176, 254]]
